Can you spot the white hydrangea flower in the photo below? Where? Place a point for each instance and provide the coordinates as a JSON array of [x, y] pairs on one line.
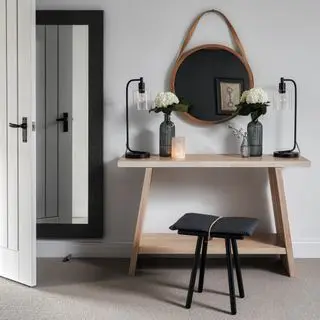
[[244, 96], [165, 99], [256, 95]]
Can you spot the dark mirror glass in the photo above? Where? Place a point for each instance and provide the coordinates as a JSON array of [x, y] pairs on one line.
[[211, 80]]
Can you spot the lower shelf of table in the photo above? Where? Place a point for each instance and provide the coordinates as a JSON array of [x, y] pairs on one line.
[[166, 243]]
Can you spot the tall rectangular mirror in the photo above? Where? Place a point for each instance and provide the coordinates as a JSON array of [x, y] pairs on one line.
[[69, 124]]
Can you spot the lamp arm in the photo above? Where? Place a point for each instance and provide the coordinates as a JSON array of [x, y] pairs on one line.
[[295, 111], [127, 112]]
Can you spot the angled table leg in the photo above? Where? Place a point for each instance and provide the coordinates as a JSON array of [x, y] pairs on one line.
[[140, 220], [281, 217]]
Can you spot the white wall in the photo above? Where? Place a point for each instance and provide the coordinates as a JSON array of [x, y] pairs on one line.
[[142, 38]]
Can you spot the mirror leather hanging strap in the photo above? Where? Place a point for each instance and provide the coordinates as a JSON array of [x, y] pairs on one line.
[[187, 66], [233, 32]]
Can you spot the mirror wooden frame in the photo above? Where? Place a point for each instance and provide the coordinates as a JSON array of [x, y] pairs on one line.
[[94, 228]]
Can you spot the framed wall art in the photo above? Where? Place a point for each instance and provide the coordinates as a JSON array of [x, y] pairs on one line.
[[228, 93]]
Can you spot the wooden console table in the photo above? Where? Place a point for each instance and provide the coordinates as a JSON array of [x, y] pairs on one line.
[[157, 243]]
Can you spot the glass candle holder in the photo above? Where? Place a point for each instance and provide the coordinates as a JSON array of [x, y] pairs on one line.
[[178, 148]]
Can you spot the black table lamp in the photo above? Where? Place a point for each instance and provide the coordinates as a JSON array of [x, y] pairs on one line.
[[292, 153], [141, 98]]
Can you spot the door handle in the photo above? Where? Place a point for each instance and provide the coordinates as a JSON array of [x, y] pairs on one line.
[[65, 121], [23, 126]]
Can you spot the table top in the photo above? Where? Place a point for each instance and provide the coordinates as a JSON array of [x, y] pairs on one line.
[[214, 161]]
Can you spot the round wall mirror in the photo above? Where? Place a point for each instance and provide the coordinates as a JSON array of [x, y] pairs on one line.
[[211, 78]]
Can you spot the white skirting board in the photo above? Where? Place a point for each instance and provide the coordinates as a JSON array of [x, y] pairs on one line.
[[306, 249], [79, 249], [82, 249]]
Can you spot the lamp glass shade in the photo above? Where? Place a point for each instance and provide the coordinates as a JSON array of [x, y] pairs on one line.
[[178, 148], [283, 101], [142, 100]]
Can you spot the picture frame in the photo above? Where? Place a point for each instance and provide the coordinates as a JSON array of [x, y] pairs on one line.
[[228, 93]]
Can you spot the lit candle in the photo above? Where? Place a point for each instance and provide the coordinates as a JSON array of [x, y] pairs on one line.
[[178, 148]]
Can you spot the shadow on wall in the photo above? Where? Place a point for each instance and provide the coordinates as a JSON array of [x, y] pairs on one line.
[[141, 137], [123, 189], [224, 191], [232, 144]]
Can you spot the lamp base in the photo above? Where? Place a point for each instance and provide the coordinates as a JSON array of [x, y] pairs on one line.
[[286, 154], [137, 155]]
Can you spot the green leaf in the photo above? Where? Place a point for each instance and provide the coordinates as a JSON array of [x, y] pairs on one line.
[[255, 110], [175, 107], [180, 107], [156, 110], [244, 110]]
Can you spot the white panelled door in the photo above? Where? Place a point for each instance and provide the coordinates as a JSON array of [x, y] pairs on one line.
[[17, 155]]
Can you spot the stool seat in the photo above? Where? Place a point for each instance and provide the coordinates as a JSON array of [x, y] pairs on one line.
[[206, 226], [196, 224]]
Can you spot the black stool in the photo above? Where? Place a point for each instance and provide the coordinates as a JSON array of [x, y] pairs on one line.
[[206, 227]]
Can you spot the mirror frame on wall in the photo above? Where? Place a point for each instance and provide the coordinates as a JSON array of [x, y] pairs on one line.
[[94, 228]]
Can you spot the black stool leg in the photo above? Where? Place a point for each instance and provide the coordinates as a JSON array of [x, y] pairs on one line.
[[194, 273], [230, 277], [238, 267], [203, 263]]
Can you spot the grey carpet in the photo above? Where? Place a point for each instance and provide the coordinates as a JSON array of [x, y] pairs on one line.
[[100, 289]]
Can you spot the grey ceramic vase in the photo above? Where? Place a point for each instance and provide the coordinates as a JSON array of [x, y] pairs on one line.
[[166, 133], [255, 138]]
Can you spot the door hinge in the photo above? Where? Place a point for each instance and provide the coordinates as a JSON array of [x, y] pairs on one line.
[[33, 126]]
